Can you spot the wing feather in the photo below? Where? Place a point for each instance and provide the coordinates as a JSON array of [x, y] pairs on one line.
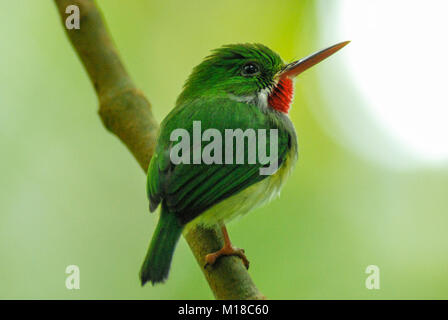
[[190, 189]]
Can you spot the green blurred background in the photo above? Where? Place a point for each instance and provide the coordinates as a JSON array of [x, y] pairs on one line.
[[70, 192]]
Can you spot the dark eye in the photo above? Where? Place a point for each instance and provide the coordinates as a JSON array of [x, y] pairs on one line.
[[250, 69]]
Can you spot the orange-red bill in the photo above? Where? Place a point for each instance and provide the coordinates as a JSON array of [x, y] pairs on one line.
[[297, 67]]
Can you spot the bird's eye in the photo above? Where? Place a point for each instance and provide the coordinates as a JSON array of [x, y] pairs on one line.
[[250, 69]]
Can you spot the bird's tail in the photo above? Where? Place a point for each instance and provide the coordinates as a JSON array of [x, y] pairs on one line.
[[157, 263]]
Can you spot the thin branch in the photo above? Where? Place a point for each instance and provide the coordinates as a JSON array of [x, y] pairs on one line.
[[126, 113]]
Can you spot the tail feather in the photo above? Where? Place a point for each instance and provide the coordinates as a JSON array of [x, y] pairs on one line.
[[157, 263]]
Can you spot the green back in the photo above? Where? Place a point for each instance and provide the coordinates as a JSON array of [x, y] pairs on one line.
[[189, 189]]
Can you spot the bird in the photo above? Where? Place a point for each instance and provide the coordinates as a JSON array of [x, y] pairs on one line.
[[238, 86]]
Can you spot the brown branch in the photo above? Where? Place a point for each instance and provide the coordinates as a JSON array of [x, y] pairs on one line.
[[126, 113]]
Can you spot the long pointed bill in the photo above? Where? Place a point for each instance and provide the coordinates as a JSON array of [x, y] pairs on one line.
[[297, 67]]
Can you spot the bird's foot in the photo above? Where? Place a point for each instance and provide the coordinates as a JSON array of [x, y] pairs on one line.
[[211, 258]]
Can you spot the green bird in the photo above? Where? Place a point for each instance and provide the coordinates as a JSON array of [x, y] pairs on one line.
[[240, 86]]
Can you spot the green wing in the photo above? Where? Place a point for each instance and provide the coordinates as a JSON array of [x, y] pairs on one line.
[[190, 189]]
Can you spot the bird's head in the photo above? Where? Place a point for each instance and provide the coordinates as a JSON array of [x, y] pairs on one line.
[[251, 73]]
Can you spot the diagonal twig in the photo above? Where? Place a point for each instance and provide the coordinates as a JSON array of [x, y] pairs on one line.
[[126, 112]]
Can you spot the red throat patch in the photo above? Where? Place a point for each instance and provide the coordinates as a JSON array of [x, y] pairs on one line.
[[281, 96]]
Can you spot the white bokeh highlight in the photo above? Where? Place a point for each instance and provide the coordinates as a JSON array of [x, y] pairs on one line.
[[399, 60]]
